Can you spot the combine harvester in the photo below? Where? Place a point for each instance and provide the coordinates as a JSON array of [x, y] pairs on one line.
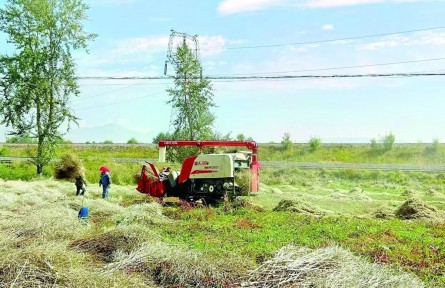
[[207, 177]]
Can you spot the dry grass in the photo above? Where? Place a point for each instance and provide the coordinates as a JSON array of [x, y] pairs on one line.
[[415, 208], [298, 206], [330, 267], [174, 265], [43, 244]]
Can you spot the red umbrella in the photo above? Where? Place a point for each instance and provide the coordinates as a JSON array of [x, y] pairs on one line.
[[104, 169]]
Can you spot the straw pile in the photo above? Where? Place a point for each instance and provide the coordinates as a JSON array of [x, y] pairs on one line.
[[330, 267], [298, 206], [171, 265], [69, 167], [415, 208]]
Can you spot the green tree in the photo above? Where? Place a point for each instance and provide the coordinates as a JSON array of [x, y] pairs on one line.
[[286, 142], [388, 141], [132, 141], [162, 136], [24, 139], [314, 144], [240, 137], [191, 98], [38, 79]]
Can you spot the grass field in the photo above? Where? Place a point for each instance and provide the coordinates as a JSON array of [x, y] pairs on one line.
[[307, 228]]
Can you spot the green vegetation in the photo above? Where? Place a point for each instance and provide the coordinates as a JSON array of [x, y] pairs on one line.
[[132, 141], [39, 77], [346, 218], [314, 144]]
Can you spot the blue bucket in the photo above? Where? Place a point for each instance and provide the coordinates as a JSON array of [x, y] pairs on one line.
[[83, 213]]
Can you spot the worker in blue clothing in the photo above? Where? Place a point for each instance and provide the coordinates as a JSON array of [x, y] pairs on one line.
[[105, 180]]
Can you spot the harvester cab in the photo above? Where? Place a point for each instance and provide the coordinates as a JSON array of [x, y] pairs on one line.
[[210, 177]]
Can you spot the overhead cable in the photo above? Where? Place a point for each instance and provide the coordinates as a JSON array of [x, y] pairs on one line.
[[326, 41]]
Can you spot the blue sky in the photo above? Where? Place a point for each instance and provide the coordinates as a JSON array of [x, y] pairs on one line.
[[133, 41]]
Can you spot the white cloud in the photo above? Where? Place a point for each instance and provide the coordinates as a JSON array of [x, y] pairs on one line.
[[227, 7], [428, 38], [235, 6], [211, 45], [327, 27], [142, 44], [341, 3], [338, 3]]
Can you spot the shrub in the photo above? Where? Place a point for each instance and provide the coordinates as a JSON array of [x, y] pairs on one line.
[[286, 142], [68, 167], [374, 144], [132, 141], [388, 141], [314, 144], [434, 148]]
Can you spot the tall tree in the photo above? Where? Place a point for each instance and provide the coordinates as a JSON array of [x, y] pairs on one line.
[[191, 98], [38, 79]]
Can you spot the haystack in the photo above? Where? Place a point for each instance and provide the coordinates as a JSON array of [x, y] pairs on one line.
[[384, 213], [410, 193], [68, 167], [298, 206], [356, 190], [329, 267], [415, 208], [434, 193]]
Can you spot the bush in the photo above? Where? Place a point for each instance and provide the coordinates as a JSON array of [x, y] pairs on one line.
[[314, 144], [434, 148], [374, 144], [388, 141], [68, 167], [132, 141], [286, 142]]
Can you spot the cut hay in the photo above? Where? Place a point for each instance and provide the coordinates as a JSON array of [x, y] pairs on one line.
[[434, 193], [288, 188], [330, 267], [361, 197], [416, 209], [384, 213], [264, 188], [277, 191], [298, 206], [144, 213], [338, 195], [410, 193], [356, 190], [175, 266], [243, 179], [68, 167], [27, 274], [104, 245]]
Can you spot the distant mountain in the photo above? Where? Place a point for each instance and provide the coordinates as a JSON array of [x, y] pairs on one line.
[[112, 132]]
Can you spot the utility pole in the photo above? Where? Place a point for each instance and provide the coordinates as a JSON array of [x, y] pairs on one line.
[[172, 46]]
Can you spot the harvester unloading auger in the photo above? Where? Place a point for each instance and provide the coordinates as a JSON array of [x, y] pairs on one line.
[[210, 177]]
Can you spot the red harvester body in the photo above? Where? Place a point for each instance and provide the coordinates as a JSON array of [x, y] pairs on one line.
[[204, 176]]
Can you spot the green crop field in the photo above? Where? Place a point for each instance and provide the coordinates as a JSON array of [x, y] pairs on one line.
[[304, 228]]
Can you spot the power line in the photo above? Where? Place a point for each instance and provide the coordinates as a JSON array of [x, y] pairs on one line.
[[263, 73], [288, 76], [123, 101], [346, 67], [328, 40]]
